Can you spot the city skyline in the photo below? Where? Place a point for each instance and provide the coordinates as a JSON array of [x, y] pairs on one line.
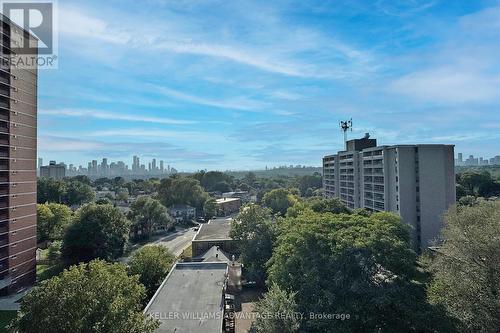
[[268, 83], [105, 167]]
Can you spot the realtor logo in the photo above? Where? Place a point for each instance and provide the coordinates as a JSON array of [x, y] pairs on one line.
[[38, 19]]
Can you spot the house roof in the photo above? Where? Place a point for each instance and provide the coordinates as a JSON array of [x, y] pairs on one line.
[[214, 254]]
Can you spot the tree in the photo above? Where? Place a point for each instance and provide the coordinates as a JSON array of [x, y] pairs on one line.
[[215, 181], [489, 189], [318, 205], [279, 200], [311, 182], [283, 309], [54, 251], [147, 213], [95, 297], [98, 231], [472, 181], [468, 200], [152, 264], [122, 194], [356, 265], [210, 208], [250, 178], [50, 190], [182, 190], [78, 193], [255, 233], [82, 179], [104, 201], [52, 221], [466, 267]]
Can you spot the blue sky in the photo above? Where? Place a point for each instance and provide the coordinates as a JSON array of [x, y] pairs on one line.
[[245, 84]]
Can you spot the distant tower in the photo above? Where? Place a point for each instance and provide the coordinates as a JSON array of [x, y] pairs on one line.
[[345, 126]]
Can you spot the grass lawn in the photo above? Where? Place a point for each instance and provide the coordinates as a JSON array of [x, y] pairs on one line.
[[5, 318]]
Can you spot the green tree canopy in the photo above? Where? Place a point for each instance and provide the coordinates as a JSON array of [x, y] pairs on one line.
[[215, 181], [210, 208], [98, 231], [255, 233], [279, 200], [307, 182], [318, 205], [475, 182], [97, 297], [78, 193], [182, 190], [467, 266], [122, 194], [152, 264], [50, 190], [279, 302], [147, 213], [356, 265], [52, 221]]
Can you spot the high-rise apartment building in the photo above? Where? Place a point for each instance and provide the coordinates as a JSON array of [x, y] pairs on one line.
[[53, 170], [18, 128], [416, 182]]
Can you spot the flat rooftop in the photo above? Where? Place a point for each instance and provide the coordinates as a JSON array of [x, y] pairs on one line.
[[190, 299], [223, 200], [217, 230]]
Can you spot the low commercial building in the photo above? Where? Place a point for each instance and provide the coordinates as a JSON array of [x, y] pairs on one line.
[[228, 206], [214, 233], [191, 299], [182, 213]]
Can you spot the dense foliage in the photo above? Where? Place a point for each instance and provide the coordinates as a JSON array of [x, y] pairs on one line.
[[279, 200], [97, 297], [255, 233], [277, 301], [182, 190], [477, 183], [151, 264], [466, 267], [98, 231], [353, 264], [69, 191], [52, 221], [147, 213]]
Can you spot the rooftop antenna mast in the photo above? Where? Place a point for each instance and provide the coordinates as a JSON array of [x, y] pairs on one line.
[[345, 126]]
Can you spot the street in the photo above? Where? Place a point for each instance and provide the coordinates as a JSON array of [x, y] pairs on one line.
[[176, 242]]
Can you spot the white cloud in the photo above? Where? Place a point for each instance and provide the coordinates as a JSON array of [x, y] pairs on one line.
[[236, 103], [450, 85], [462, 68], [89, 113], [191, 136], [277, 51]]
